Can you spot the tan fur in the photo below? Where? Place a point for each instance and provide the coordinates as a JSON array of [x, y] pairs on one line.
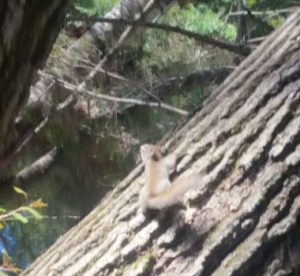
[[158, 191]]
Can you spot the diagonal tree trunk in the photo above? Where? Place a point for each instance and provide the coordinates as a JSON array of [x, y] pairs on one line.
[[244, 217]]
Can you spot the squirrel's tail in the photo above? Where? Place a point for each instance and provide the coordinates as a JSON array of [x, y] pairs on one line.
[[172, 195]]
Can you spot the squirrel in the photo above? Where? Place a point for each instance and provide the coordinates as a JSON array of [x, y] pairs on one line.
[[159, 192]]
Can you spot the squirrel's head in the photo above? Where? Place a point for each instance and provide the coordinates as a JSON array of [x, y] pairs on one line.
[[150, 152]]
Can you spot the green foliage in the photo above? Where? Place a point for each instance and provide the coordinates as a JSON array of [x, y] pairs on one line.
[[201, 20], [169, 54], [21, 214], [252, 4], [20, 191], [268, 4], [275, 20], [94, 7]]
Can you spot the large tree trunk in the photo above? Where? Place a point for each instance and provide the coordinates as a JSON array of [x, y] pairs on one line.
[[28, 30], [243, 219]]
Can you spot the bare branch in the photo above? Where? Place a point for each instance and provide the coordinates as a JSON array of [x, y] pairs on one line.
[[256, 39], [74, 88], [238, 49], [237, 13], [37, 167]]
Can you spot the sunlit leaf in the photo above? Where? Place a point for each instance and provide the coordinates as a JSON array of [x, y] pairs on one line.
[[1, 225], [38, 204], [2, 210], [20, 191], [33, 212], [20, 217]]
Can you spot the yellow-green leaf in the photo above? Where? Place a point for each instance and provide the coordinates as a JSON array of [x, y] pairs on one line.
[[20, 191], [20, 217], [38, 204], [33, 212]]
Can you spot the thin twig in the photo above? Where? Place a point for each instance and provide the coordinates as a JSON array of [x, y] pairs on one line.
[[73, 88], [63, 217], [256, 39], [11, 213]]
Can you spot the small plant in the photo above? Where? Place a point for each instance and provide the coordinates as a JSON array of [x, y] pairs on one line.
[[21, 214]]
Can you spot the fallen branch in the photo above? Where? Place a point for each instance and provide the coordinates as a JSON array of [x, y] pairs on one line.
[[38, 167], [75, 217], [238, 49], [238, 13], [256, 39], [116, 76], [74, 88]]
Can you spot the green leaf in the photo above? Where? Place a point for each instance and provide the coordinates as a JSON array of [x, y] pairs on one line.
[[20, 191], [251, 3], [33, 212], [2, 210], [20, 217]]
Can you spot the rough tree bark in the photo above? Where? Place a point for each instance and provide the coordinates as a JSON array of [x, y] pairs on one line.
[[244, 217], [27, 30]]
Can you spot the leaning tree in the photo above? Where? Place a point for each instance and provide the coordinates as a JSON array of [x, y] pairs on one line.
[[28, 31], [243, 218]]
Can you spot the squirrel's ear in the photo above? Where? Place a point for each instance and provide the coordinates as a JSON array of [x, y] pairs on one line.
[[156, 155]]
